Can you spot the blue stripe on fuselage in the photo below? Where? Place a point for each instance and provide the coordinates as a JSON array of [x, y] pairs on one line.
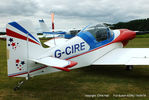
[[94, 45], [90, 39]]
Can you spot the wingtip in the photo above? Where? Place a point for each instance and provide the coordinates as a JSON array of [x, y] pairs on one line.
[[72, 63], [64, 69]]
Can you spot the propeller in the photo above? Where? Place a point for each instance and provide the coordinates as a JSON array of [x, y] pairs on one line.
[[141, 32], [52, 17]]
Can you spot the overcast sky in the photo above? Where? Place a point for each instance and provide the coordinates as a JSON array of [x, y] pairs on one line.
[[72, 13]]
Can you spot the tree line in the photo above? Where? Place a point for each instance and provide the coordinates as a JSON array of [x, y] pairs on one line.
[[136, 25]]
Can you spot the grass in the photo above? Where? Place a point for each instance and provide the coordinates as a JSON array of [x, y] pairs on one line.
[[79, 84], [143, 36]]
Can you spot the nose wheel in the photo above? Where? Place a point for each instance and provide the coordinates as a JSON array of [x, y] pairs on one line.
[[129, 67]]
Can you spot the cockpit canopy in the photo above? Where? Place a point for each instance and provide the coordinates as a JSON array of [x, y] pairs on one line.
[[100, 32]]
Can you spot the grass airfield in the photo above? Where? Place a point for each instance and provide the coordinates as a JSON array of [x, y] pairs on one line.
[[92, 82]]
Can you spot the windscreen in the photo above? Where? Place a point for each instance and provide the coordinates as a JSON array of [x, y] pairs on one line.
[[100, 32]]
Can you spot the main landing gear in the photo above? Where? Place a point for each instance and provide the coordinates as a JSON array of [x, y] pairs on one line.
[[129, 67]]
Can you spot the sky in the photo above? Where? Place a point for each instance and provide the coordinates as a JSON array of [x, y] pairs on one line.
[[70, 14]]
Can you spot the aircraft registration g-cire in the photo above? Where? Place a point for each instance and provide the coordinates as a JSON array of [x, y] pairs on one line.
[[93, 45]]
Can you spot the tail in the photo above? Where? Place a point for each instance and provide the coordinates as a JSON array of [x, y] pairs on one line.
[[22, 45], [43, 26]]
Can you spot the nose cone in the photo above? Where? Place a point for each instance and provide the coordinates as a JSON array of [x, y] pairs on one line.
[[125, 35], [128, 35]]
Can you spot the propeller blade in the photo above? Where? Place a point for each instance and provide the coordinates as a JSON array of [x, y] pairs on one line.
[[142, 32], [52, 17]]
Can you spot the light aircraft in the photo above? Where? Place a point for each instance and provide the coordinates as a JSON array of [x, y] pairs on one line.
[[93, 45], [49, 34], [46, 31]]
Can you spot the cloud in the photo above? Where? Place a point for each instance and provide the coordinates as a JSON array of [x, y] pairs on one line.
[[70, 13], [102, 10], [18, 7]]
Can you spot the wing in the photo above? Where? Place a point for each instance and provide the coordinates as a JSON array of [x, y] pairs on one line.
[[55, 41], [56, 63], [125, 56]]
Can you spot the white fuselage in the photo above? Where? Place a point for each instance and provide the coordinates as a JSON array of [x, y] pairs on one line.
[[76, 49]]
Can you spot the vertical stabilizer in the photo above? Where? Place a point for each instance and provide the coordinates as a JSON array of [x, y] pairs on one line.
[[43, 26], [22, 45]]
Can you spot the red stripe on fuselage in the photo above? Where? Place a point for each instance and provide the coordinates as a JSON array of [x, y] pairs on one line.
[[90, 51], [19, 36], [18, 74]]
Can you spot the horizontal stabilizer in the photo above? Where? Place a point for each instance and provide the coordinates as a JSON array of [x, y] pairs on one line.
[[56, 63]]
